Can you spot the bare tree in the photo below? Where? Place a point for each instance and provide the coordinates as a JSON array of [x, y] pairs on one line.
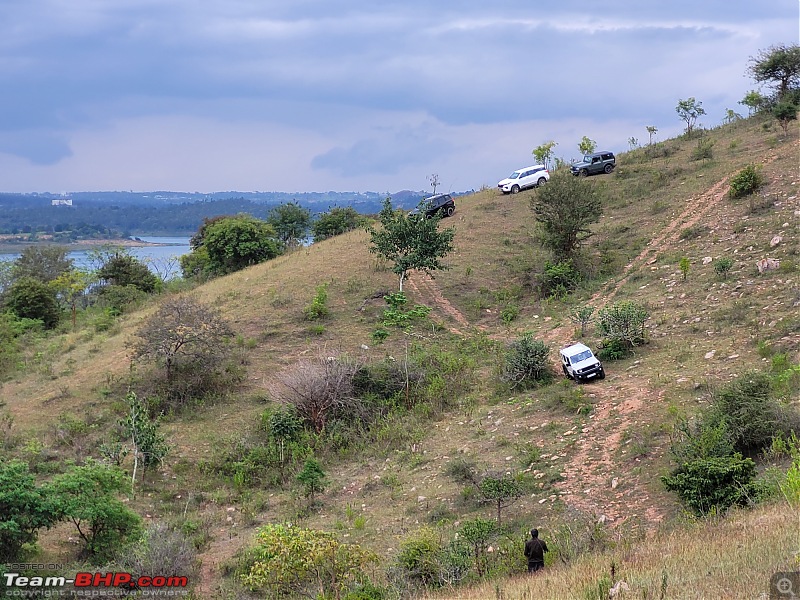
[[182, 332], [318, 388], [434, 179]]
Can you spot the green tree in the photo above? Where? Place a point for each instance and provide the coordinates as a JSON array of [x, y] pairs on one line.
[[30, 298], [582, 315], [147, 441], [182, 333], [527, 363], [586, 145], [785, 112], [71, 287], [689, 110], [411, 242], [290, 222], [291, 561], [233, 243], [24, 509], [651, 130], [778, 66], [544, 153], [124, 269], [43, 263], [501, 490], [87, 496], [478, 533], [336, 221], [312, 478], [622, 324], [753, 101], [564, 209]]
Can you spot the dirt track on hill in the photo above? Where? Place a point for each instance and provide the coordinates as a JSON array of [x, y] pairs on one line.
[[593, 482]]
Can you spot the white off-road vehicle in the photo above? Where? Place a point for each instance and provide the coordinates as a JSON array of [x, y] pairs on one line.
[[580, 364]]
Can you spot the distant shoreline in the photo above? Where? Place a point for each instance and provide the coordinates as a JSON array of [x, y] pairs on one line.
[[13, 246]]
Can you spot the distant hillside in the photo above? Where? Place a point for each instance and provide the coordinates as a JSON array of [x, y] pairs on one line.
[[162, 212]]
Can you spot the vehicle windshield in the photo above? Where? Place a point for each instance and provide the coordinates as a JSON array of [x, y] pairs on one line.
[[587, 158], [581, 356], [514, 175]]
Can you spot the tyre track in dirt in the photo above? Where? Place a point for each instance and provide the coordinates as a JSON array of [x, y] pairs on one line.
[[425, 287]]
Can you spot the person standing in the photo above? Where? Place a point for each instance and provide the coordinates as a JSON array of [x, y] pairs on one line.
[[534, 551]]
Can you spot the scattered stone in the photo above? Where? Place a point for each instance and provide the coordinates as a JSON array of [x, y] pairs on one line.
[[710, 355], [421, 498], [775, 241], [614, 483], [364, 347], [707, 259], [509, 457], [732, 356], [767, 264], [543, 500]]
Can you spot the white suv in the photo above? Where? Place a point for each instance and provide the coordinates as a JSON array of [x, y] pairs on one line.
[[524, 178], [578, 363]]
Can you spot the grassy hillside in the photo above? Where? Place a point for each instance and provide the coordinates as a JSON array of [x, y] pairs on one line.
[[590, 456]]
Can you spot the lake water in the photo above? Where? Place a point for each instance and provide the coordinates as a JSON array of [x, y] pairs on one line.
[[158, 258]]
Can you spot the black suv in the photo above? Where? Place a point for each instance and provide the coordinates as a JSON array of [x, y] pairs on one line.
[[441, 203], [597, 162]]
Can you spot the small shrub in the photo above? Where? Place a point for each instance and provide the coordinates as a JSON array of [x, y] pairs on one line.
[[722, 266], [684, 267], [419, 557], [318, 309], [746, 182], [509, 313], [462, 470], [558, 279], [527, 363], [703, 150], [622, 326]]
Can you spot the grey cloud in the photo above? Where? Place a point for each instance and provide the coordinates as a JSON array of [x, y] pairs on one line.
[[39, 147], [386, 155]]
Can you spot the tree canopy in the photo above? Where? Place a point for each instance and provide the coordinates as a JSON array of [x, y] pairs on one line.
[[410, 241], [290, 221], [564, 209], [778, 66], [233, 243], [336, 221], [689, 110]]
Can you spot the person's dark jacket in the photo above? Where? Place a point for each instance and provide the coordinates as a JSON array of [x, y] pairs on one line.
[[534, 550]]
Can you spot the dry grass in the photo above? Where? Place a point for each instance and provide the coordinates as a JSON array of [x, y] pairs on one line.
[[731, 558]]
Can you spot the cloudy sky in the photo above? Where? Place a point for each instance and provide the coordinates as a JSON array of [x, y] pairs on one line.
[[311, 95]]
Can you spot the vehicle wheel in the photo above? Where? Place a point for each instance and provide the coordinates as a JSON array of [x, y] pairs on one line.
[[584, 173], [566, 373], [515, 189], [602, 374], [449, 211], [541, 181], [608, 168]]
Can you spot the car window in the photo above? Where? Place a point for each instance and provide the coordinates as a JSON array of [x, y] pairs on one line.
[[514, 175], [581, 356]]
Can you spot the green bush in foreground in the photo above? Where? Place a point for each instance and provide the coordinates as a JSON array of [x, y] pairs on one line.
[[746, 182]]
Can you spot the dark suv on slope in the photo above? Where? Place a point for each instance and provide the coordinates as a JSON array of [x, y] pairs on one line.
[[592, 164], [441, 203]]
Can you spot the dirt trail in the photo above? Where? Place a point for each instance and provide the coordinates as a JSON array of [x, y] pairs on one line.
[[427, 289]]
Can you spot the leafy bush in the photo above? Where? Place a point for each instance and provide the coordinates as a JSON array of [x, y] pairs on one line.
[[703, 151], [118, 298], [24, 509], [419, 557], [86, 495], [746, 182], [558, 279], [527, 363], [714, 483], [622, 326], [722, 266], [290, 561], [461, 469], [160, 550], [318, 309], [748, 409], [30, 298]]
